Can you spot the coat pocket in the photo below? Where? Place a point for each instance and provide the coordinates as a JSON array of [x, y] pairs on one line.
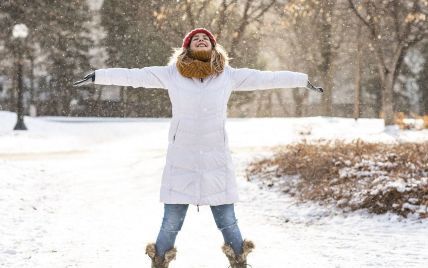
[[181, 157], [174, 131], [182, 180], [214, 181], [212, 160]]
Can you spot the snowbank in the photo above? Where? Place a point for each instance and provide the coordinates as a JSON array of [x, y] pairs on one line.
[[83, 192]]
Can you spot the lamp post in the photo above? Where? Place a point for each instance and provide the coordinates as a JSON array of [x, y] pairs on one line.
[[20, 32]]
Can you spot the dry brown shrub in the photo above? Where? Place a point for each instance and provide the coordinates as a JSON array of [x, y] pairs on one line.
[[378, 177], [399, 119], [425, 118], [412, 121]]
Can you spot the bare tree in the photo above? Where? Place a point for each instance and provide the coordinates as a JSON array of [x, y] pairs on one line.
[[314, 32], [231, 16], [253, 11], [394, 27]]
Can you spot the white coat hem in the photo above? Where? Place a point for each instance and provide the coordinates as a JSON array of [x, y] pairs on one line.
[[168, 196]]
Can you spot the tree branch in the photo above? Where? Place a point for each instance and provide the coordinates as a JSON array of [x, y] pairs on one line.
[[360, 16], [203, 7], [223, 17], [190, 14], [263, 10]]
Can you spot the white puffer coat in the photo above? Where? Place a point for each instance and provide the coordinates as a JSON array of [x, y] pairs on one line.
[[199, 168]]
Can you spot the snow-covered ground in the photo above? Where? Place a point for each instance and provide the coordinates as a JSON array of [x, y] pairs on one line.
[[83, 192]]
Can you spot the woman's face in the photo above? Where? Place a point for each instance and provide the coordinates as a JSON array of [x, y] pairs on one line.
[[199, 42]]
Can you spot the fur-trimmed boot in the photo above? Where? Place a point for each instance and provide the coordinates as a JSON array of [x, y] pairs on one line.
[[239, 261], [158, 261]]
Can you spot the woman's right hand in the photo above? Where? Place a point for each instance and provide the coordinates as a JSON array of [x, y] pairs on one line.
[[88, 79]]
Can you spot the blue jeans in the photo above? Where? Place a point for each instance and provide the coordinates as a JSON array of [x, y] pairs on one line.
[[174, 214]]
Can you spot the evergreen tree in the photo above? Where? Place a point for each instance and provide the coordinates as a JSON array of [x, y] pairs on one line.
[[58, 33], [64, 38], [132, 41]]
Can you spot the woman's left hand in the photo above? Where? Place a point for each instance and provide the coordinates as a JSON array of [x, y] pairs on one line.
[[312, 87]]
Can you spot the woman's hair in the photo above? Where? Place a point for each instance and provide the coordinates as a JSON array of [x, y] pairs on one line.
[[219, 57]]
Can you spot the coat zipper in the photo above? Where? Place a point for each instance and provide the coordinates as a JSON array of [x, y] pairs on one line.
[[199, 192], [224, 132], [202, 80]]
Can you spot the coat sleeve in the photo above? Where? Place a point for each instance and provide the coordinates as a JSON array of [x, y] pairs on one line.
[[245, 79], [148, 77]]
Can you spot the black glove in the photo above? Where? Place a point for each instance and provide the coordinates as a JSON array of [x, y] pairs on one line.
[[88, 79], [317, 89]]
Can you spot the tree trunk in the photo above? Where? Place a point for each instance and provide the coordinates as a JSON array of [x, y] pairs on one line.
[[124, 101], [65, 98], [299, 108], [424, 100], [424, 88], [388, 74], [357, 93], [327, 55], [327, 98], [281, 102], [12, 91], [387, 99], [31, 78], [298, 100]]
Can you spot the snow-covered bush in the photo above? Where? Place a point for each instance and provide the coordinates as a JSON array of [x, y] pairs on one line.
[[378, 177]]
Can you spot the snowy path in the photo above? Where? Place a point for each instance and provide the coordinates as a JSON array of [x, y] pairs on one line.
[[95, 204]]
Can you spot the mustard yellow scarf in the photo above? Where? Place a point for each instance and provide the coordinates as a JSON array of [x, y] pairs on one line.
[[197, 64]]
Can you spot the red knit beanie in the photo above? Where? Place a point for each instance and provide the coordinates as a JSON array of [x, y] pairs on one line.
[[188, 37]]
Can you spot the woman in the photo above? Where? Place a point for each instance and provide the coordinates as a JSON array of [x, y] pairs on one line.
[[199, 168]]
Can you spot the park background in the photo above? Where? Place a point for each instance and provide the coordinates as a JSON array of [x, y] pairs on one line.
[[338, 179], [370, 56]]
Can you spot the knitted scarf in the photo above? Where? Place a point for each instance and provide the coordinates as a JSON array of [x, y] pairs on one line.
[[197, 64]]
